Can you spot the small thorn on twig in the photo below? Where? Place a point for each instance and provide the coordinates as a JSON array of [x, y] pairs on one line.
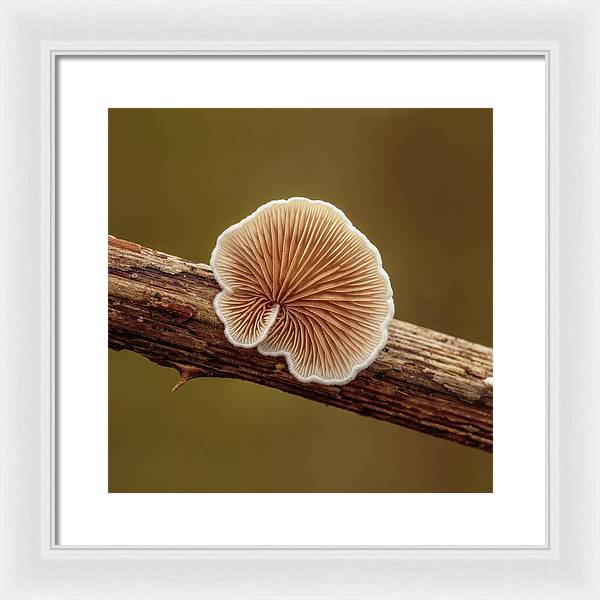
[[185, 375]]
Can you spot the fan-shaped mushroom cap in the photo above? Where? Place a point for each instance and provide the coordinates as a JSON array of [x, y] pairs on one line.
[[300, 281]]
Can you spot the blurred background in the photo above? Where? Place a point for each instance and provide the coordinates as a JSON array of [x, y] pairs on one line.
[[417, 182]]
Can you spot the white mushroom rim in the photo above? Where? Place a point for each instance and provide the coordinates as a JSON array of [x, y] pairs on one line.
[[303, 261]]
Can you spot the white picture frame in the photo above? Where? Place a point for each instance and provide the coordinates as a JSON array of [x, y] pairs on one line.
[[35, 34]]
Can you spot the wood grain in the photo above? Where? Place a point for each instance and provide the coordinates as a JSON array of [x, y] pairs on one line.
[[161, 307]]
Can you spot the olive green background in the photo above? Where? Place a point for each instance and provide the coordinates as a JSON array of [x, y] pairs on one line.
[[417, 182]]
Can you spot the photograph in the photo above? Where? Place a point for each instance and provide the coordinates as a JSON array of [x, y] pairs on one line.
[[300, 300]]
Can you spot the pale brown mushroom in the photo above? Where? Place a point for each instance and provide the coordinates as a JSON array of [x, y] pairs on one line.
[[299, 280]]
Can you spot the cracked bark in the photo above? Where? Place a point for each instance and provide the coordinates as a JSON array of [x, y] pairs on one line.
[[160, 306]]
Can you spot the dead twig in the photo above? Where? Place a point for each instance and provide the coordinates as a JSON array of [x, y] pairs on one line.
[[161, 307]]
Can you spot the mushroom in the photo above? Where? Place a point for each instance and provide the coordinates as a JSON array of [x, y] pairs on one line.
[[299, 280]]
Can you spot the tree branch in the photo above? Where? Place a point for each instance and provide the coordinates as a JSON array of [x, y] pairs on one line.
[[161, 307]]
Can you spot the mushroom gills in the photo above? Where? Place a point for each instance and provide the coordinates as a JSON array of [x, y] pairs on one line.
[[299, 281]]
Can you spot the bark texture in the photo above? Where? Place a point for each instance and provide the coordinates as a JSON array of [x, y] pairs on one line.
[[161, 307]]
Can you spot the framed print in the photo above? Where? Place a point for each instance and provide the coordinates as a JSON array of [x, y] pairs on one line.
[[338, 238]]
